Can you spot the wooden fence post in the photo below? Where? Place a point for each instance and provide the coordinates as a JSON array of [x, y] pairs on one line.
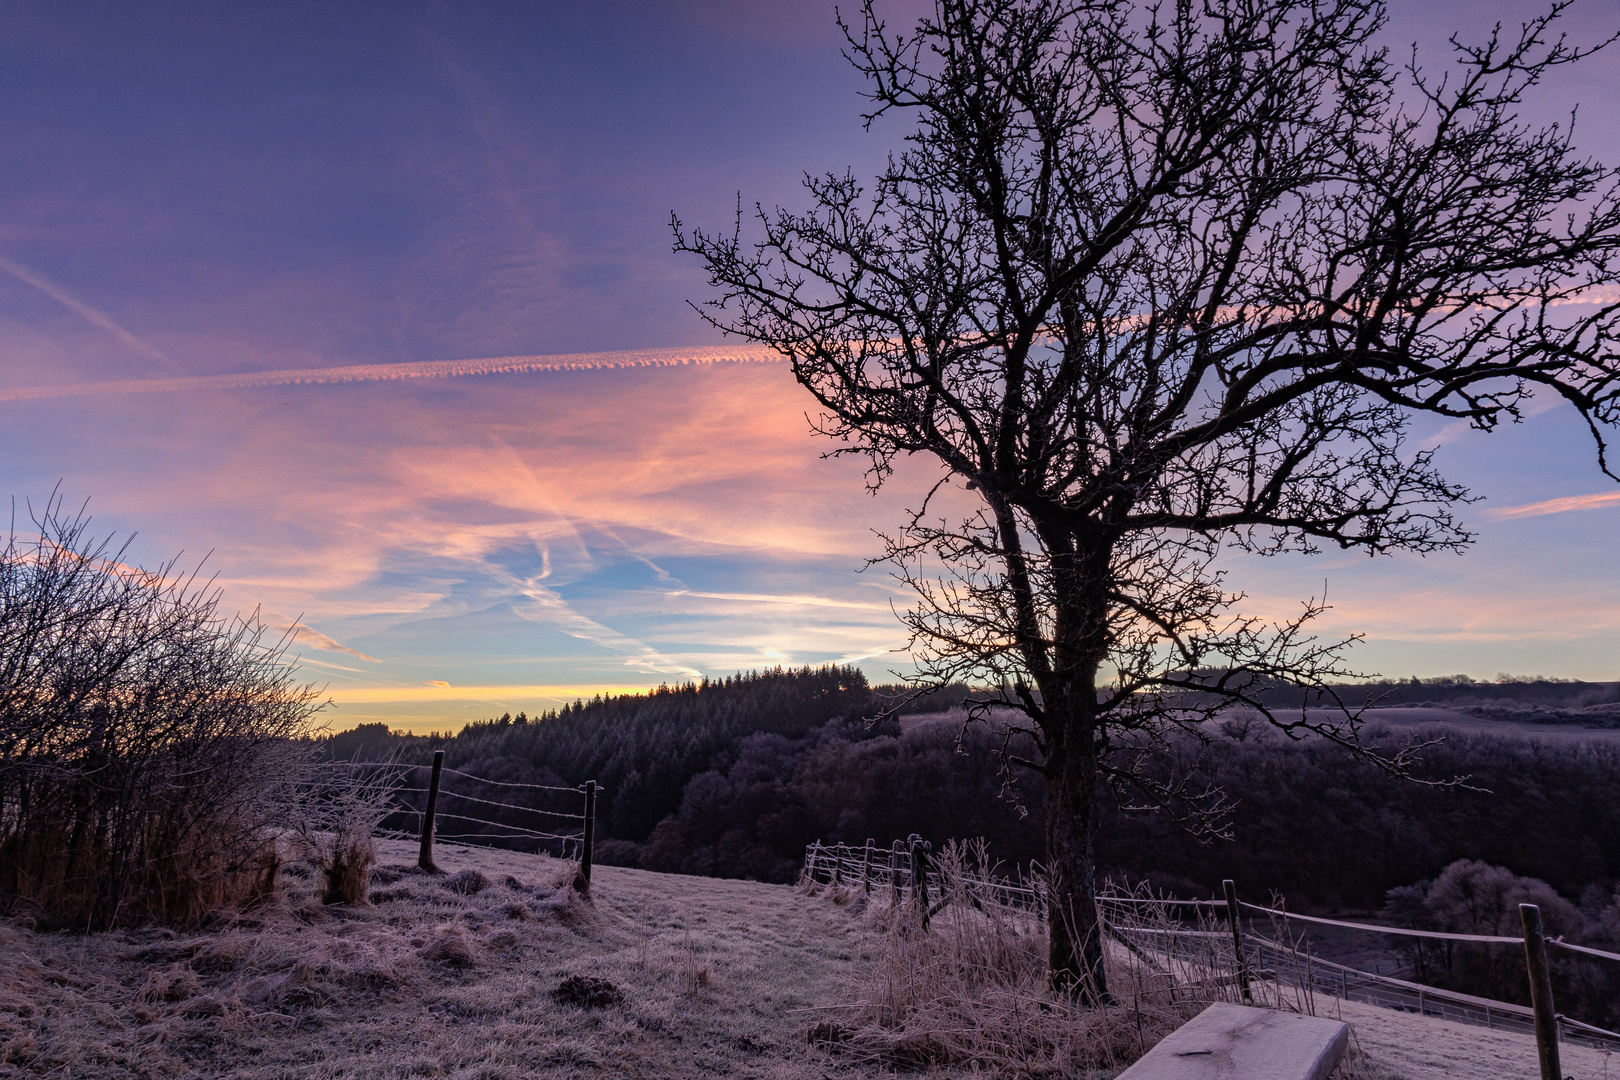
[[1237, 937], [590, 832], [1541, 999], [838, 864], [815, 853], [425, 859], [866, 867], [894, 875], [919, 875]]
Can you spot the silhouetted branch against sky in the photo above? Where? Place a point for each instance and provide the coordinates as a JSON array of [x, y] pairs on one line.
[[1156, 283], [374, 302]]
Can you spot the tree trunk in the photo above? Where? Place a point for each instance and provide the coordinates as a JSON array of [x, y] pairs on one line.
[[1075, 953]]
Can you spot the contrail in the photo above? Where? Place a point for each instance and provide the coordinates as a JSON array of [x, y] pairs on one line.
[[426, 369], [93, 316]]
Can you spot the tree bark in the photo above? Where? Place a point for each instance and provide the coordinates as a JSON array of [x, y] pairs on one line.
[[1074, 944]]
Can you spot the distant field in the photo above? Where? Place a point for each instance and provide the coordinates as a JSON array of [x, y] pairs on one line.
[[1396, 718], [1414, 717]]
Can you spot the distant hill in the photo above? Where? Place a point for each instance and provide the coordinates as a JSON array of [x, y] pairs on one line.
[[1525, 694]]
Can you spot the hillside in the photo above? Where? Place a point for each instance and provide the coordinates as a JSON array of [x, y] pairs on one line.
[[718, 978], [428, 982]]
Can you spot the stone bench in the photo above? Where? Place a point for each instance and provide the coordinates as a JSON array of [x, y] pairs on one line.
[[1236, 1042]]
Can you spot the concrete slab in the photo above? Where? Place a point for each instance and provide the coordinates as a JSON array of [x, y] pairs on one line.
[[1236, 1042]]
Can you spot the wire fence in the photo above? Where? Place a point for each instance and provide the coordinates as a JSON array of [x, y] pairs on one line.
[[463, 809], [895, 870], [1192, 947]]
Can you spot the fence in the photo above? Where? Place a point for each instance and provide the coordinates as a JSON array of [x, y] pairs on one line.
[[908, 870], [479, 814], [1196, 944]]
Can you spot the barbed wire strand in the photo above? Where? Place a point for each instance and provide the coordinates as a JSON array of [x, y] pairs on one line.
[[499, 824], [503, 783], [512, 806], [1484, 939], [507, 836]]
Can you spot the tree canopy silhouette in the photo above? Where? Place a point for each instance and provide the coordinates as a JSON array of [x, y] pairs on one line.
[[1152, 282]]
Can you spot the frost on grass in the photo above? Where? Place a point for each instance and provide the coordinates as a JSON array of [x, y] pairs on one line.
[[718, 978], [428, 981], [971, 991]]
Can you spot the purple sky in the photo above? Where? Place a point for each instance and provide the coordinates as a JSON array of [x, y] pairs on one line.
[[198, 191]]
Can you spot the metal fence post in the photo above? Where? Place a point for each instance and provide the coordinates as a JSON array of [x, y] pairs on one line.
[[1541, 999], [425, 859], [1237, 938], [590, 832]]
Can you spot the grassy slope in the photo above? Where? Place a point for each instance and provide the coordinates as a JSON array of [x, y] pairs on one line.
[[429, 983], [720, 978]]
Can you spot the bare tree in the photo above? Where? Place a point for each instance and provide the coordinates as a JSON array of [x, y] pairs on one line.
[[148, 745], [1153, 283]]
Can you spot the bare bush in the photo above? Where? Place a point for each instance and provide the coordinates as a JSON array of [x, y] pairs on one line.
[[146, 742]]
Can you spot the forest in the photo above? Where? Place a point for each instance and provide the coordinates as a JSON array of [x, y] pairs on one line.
[[733, 777]]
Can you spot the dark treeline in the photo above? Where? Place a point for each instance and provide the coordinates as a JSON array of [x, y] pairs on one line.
[[1536, 700], [643, 749], [1327, 830]]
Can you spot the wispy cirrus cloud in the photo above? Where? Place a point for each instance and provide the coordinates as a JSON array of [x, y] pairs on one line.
[[783, 600], [305, 635], [437, 692], [1562, 505]]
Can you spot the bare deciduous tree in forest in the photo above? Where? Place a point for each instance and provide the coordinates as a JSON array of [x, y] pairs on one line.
[[1153, 283]]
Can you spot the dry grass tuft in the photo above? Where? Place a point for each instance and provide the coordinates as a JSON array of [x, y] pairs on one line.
[[971, 991], [177, 982], [451, 945], [467, 883], [348, 871], [338, 830]]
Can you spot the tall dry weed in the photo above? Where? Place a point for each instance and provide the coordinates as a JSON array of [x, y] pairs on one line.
[[971, 990], [340, 814]]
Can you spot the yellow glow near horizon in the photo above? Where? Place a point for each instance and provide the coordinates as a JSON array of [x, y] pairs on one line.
[[378, 695]]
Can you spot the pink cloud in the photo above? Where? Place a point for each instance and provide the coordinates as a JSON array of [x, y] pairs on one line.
[[1558, 506]]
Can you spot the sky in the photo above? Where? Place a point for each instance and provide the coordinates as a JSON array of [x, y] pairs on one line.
[[219, 222]]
